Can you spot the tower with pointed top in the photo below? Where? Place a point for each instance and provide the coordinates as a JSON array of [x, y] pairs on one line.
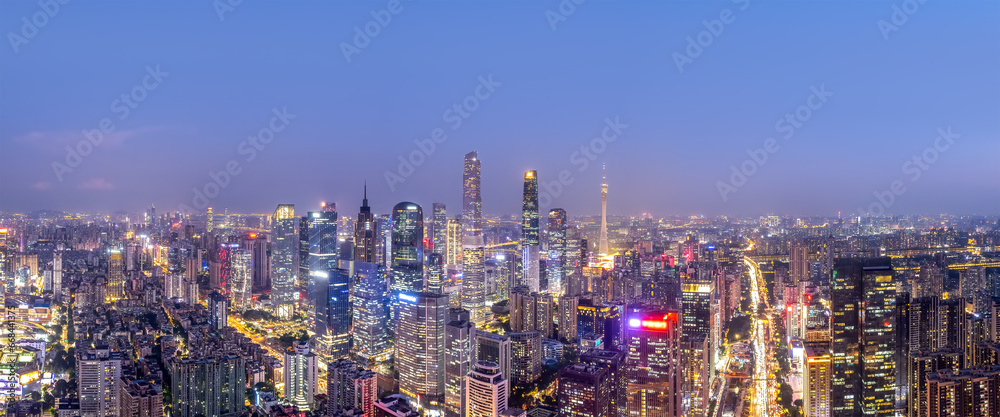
[[365, 233], [603, 248]]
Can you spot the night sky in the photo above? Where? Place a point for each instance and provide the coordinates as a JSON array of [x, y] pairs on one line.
[[351, 106]]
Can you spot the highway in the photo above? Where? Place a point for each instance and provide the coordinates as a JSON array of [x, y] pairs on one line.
[[763, 392]]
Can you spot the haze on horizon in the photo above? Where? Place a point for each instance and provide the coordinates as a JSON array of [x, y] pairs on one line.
[[343, 111]]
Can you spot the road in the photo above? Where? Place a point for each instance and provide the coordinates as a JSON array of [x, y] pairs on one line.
[[763, 392]]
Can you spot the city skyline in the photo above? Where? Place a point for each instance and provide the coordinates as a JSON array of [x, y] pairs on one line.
[[543, 91]]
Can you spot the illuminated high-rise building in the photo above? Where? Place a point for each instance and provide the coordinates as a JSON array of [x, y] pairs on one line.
[[798, 264], [57, 273], [435, 272], [816, 382], [585, 391], [322, 240], [557, 249], [568, 312], [603, 244], [654, 374], [407, 272], [614, 362], [530, 232], [241, 278], [454, 242], [209, 220], [284, 260], [366, 234], [472, 199], [260, 248], [440, 228], [116, 276], [696, 373], [371, 315], [217, 311], [474, 279], [301, 376], [332, 321], [458, 341], [420, 347], [526, 356], [486, 390], [98, 372], [209, 384], [494, 348], [698, 281], [863, 345], [531, 311]]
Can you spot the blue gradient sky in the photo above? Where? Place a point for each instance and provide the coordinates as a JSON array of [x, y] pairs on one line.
[[942, 68]]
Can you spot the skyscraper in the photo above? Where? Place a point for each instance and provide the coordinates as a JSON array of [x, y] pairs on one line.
[[494, 348], [454, 242], [526, 356], [366, 234], [349, 386], [817, 382], [301, 376], [603, 245], [435, 272], [529, 232], [614, 362], [332, 324], [371, 317], [698, 281], [217, 317], [472, 199], [407, 248], [696, 373], [458, 341], [98, 371], [474, 278], [57, 272], [116, 276], [568, 311], [486, 390], [557, 249], [241, 278], [654, 374], [321, 250], [420, 347], [585, 391], [284, 257], [863, 343], [208, 385], [440, 228]]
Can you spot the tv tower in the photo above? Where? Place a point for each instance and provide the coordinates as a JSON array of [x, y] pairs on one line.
[[603, 248]]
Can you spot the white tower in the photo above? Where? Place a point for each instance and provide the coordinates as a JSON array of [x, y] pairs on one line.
[[603, 248]]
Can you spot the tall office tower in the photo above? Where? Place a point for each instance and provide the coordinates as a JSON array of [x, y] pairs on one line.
[[383, 251], [575, 258], [654, 373], [116, 276], [57, 270], [284, 260], [585, 391], [531, 312], [440, 228], [529, 232], [140, 398], [458, 342], [407, 248], [602, 320], [965, 393], [217, 317], [557, 250], [798, 264], [486, 390], [474, 278], [526, 356], [568, 311], [817, 382], [302, 275], [454, 243], [209, 221], [366, 234], [98, 371], [212, 385], [494, 348], [614, 362], [863, 343], [472, 199], [696, 372], [371, 319], [349, 386], [241, 279], [260, 248], [698, 281], [301, 376], [603, 244], [333, 313], [420, 347], [435, 272], [322, 248]]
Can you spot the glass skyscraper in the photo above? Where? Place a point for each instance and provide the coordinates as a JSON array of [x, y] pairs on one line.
[[407, 247], [472, 199], [284, 257]]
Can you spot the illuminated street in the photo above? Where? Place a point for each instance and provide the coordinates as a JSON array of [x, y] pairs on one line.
[[762, 401]]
